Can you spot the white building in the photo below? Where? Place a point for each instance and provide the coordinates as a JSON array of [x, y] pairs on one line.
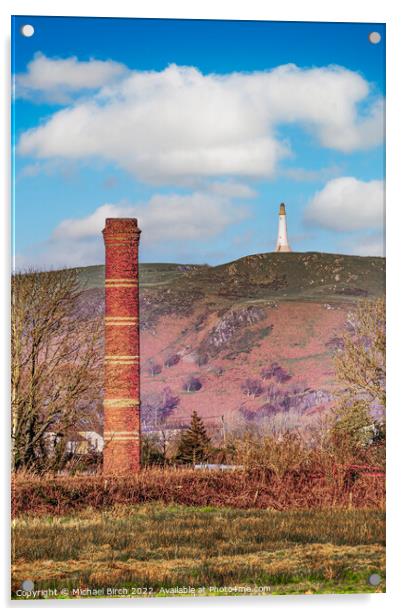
[[85, 441], [282, 240], [79, 442]]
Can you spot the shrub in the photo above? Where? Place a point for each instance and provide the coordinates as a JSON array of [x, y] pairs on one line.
[[202, 359], [153, 368], [151, 454], [192, 383], [172, 360], [252, 388], [276, 372], [316, 486]]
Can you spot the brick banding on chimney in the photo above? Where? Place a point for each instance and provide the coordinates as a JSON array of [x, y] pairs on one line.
[[122, 354]]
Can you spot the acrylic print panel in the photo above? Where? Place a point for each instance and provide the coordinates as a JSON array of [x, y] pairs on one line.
[[198, 379]]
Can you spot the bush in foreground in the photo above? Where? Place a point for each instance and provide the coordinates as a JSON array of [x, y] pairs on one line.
[[296, 489]]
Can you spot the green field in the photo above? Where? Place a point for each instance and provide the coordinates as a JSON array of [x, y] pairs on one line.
[[165, 550]]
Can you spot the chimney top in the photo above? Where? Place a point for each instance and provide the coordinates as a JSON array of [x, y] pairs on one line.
[[121, 226], [282, 209]]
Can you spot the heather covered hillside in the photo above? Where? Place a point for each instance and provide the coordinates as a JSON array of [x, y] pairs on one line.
[[250, 340]]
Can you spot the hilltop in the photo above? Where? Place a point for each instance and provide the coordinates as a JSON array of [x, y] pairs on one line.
[[171, 288], [303, 275]]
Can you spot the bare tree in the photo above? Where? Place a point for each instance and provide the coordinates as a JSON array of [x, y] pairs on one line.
[[360, 363], [56, 362], [359, 415], [157, 407]]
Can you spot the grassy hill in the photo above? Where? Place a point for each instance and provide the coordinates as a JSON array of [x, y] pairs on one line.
[[310, 275], [151, 274]]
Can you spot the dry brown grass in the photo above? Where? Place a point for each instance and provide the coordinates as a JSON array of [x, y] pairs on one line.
[[293, 490], [157, 545]]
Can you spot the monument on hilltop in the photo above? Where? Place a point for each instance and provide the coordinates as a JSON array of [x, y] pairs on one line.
[[282, 240]]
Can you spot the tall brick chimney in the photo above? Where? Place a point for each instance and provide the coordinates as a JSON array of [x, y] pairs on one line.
[[122, 370]]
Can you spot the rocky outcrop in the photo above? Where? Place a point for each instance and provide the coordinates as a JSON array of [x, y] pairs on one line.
[[231, 325]]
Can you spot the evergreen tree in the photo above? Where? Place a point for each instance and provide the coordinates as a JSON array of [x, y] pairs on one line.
[[194, 444]]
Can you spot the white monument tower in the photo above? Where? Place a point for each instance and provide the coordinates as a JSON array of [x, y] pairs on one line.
[[282, 241]]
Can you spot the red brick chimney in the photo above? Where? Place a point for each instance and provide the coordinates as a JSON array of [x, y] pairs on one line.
[[122, 369]]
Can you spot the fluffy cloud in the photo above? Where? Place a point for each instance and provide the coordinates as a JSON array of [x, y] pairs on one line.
[[182, 222], [178, 124], [348, 204], [55, 80], [164, 217], [55, 254]]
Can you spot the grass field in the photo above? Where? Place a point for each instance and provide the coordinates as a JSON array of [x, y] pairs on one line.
[[165, 550]]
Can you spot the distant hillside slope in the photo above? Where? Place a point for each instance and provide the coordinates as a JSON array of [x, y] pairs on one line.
[[271, 318]]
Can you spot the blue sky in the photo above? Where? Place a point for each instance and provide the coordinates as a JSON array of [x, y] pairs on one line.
[[200, 129]]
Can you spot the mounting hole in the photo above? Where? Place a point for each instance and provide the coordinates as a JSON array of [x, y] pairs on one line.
[[374, 38], [374, 579], [27, 30]]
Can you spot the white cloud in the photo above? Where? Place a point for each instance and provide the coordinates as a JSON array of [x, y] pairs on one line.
[[180, 222], [178, 124], [235, 190], [58, 253], [348, 204], [55, 80], [164, 217], [299, 174]]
